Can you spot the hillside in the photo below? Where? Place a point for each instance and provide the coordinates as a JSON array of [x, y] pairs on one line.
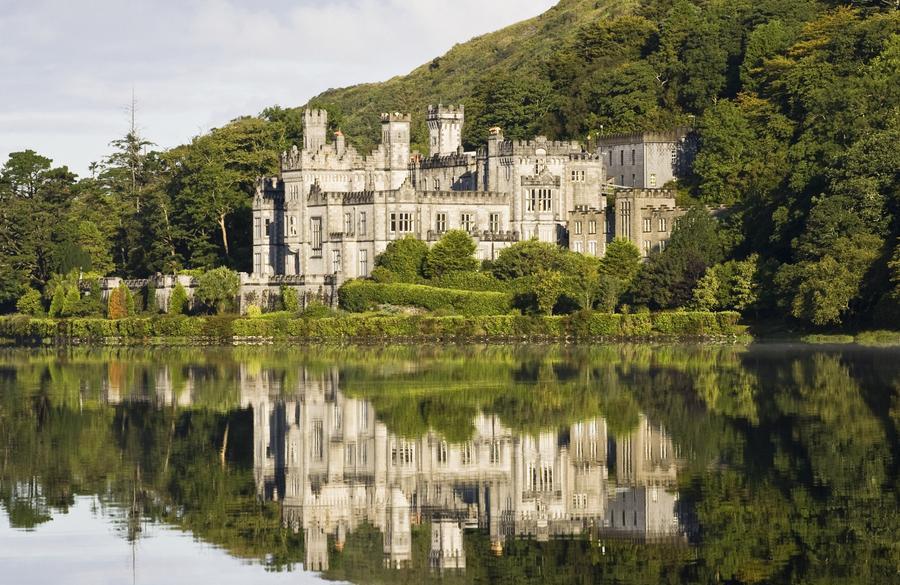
[[522, 48]]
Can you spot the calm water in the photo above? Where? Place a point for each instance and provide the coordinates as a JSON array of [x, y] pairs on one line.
[[623, 464]]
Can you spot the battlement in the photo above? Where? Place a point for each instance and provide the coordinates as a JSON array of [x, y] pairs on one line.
[[465, 196], [646, 194], [644, 137], [444, 161], [441, 111], [395, 117], [316, 116]]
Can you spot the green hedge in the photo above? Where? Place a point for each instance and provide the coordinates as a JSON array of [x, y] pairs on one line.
[[359, 296], [584, 325]]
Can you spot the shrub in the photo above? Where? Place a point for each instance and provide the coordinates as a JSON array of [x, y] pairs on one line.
[[359, 296], [117, 305], [178, 301], [405, 258], [254, 311], [527, 259], [454, 252], [217, 289], [477, 281], [290, 300], [57, 301], [31, 303]]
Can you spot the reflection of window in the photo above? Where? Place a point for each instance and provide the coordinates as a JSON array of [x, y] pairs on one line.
[[316, 229], [401, 223], [468, 455], [442, 453], [318, 451], [495, 452]]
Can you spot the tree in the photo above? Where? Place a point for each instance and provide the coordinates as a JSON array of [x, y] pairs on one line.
[[178, 302], [454, 252], [31, 303], [218, 288], [547, 288], [527, 259], [405, 258], [289, 299], [117, 305], [622, 261]]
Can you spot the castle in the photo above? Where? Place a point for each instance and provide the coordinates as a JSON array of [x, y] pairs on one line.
[[332, 210]]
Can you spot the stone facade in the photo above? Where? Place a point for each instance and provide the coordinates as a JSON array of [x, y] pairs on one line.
[[646, 217], [331, 211], [648, 160]]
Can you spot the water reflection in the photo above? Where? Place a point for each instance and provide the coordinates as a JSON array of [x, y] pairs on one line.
[[333, 466], [620, 464]]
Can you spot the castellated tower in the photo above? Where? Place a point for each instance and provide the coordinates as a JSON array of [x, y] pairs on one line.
[[315, 127], [395, 140], [445, 124]]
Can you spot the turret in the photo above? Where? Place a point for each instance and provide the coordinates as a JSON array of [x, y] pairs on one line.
[[315, 127], [445, 125]]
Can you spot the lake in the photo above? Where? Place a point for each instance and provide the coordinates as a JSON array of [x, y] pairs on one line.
[[618, 464]]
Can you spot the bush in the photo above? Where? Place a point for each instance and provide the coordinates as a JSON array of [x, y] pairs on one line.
[[31, 303], [405, 258], [117, 305], [217, 289], [359, 296], [254, 311], [178, 301], [290, 300], [454, 252], [476, 281]]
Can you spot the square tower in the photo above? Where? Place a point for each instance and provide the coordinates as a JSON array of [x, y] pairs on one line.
[[315, 128], [445, 125]]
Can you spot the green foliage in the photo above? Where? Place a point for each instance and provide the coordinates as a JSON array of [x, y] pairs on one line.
[[527, 259], [404, 259], [290, 300], [454, 252], [31, 303], [477, 281], [359, 296], [178, 301], [218, 288], [732, 286], [547, 288]]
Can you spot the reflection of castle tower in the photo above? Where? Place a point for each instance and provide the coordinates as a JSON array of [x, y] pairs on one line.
[[398, 533], [447, 550], [316, 549], [647, 512], [646, 456]]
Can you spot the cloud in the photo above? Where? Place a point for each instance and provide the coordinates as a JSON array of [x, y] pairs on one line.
[[67, 69]]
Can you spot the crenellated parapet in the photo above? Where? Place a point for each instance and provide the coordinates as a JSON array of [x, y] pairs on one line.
[[396, 117], [463, 197]]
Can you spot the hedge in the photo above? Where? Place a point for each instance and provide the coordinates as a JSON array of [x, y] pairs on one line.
[[359, 296], [580, 326]]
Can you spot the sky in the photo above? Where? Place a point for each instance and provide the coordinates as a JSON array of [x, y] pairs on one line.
[[68, 67]]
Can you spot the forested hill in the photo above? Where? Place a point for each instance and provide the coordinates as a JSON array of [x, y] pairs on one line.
[[796, 102], [517, 54]]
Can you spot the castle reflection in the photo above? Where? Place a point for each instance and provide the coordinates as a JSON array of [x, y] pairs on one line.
[[333, 467]]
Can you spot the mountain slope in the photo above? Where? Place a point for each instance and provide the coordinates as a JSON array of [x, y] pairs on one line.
[[453, 78]]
